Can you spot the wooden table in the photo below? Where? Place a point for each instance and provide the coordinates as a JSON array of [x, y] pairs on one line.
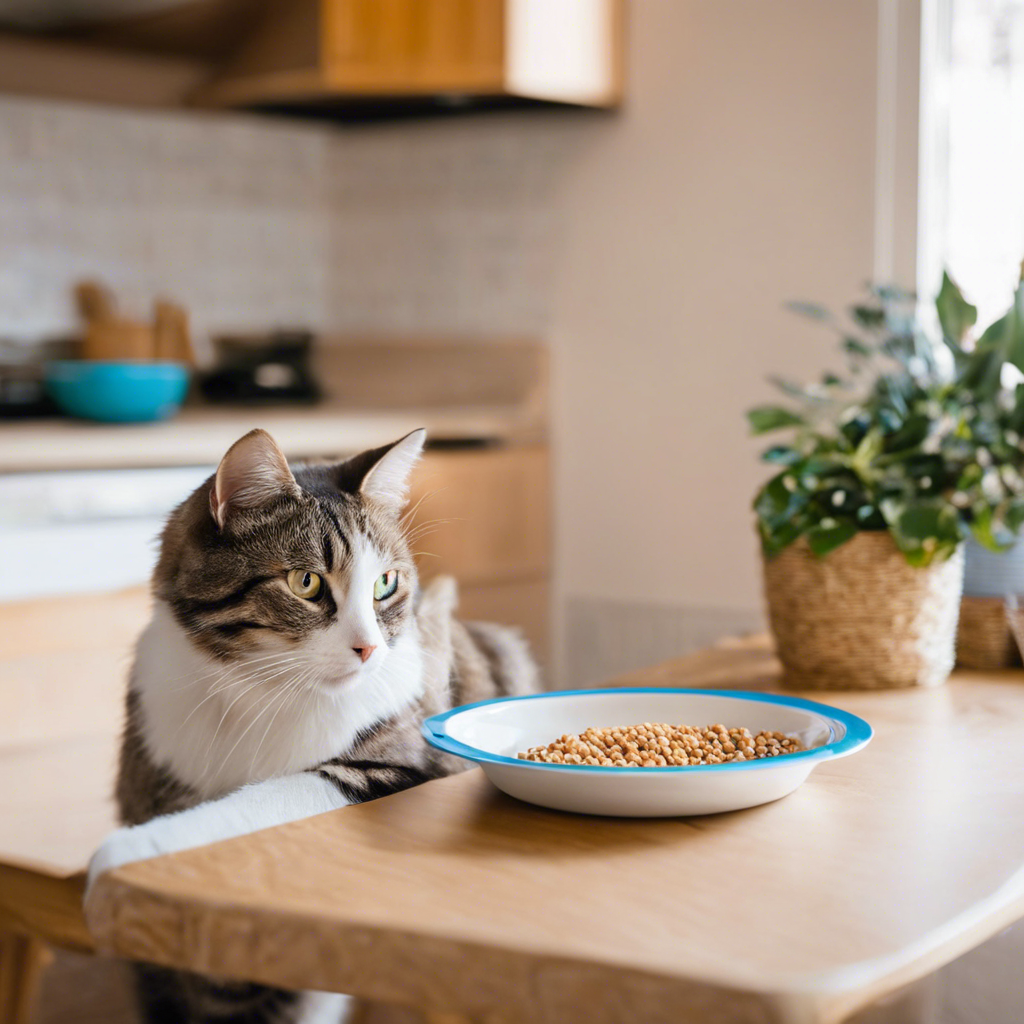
[[455, 899], [63, 663]]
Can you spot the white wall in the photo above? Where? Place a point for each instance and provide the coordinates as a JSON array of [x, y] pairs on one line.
[[740, 175]]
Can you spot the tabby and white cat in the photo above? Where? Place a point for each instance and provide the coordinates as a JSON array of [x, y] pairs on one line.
[[286, 669]]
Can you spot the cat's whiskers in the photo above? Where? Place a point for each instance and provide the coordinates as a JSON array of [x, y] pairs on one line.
[[430, 526], [409, 513], [219, 670], [225, 682], [271, 701], [294, 689], [252, 686]]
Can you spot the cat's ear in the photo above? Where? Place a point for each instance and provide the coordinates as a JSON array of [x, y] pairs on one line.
[[252, 472], [382, 474]]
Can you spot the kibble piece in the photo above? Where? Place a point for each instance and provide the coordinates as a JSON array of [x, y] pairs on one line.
[[661, 745]]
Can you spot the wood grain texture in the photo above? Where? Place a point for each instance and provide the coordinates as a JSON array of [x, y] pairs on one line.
[[482, 515], [63, 668], [420, 48], [33, 66], [22, 960], [454, 898], [44, 907]]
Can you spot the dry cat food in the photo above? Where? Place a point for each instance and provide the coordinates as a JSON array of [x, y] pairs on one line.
[[662, 746]]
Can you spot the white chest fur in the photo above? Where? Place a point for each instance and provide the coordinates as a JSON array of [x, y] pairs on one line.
[[219, 727]]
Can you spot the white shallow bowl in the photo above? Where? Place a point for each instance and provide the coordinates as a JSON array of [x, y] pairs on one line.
[[493, 732]]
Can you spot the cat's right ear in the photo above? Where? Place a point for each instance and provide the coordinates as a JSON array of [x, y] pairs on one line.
[[252, 472]]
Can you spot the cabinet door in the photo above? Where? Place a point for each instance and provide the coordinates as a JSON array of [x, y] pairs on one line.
[[483, 517], [399, 46]]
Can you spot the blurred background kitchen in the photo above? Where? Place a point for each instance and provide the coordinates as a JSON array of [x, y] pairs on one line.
[[558, 233], [620, 194]]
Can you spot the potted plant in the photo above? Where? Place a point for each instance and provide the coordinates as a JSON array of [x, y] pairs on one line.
[[995, 570], [889, 466]]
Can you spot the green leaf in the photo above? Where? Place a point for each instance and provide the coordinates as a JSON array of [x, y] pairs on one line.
[[956, 315], [870, 518], [789, 387], [990, 532], [780, 500], [811, 310], [970, 477], [870, 447], [910, 434], [774, 541], [923, 530], [1015, 516], [869, 317], [1015, 348], [772, 417], [1015, 420], [829, 534], [982, 369], [856, 347], [780, 454], [1005, 337]]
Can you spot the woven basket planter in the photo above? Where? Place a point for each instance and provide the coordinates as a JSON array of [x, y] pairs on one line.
[[984, 640], [861, 618]]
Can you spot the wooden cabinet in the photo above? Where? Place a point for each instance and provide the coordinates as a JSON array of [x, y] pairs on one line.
[[483, 516], [309, 51], [341, 58], [409, 45]]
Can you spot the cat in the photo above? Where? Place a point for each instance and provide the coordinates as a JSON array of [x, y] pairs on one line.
[[289, 661]]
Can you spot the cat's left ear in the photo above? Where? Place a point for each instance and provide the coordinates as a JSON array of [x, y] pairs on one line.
[[253, 471], [384, 472]]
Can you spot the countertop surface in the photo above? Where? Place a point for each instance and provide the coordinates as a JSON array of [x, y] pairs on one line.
[[200, 435]]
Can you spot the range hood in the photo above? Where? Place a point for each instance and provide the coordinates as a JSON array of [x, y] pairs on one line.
[[307, 53]]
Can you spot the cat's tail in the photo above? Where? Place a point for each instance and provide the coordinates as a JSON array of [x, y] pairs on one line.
[[513, 671]]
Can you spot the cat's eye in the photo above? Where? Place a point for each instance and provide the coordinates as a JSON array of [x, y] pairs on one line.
[[304, 584], [385, 585]]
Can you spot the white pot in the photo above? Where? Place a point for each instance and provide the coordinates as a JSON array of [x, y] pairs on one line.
[[993, 573]]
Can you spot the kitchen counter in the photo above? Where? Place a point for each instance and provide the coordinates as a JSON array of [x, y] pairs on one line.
[[200, 435]]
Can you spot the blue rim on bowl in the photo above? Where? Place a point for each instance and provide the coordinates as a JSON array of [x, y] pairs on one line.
[[857, 732]]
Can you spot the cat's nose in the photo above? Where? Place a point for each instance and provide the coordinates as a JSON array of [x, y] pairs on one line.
[[365, 652]]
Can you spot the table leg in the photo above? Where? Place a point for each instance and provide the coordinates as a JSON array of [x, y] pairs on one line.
[[22, 960]]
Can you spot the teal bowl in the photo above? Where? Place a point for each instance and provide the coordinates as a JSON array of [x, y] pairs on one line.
[[117, 392]]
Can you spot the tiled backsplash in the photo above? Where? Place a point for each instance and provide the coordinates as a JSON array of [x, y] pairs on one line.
[[450, 226], [444, 226], [226, 215]]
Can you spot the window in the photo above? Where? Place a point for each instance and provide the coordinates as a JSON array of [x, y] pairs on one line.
[[972, 153]]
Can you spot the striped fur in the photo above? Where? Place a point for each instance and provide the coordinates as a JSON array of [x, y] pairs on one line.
[[234, 664]]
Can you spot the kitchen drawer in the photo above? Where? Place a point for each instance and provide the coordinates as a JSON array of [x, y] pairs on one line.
[[484, 514]]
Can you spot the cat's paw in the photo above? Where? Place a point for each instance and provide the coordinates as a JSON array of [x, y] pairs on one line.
[[131, 843]]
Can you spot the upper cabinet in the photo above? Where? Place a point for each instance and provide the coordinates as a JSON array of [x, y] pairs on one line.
[[334, 56], [322, 51]]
